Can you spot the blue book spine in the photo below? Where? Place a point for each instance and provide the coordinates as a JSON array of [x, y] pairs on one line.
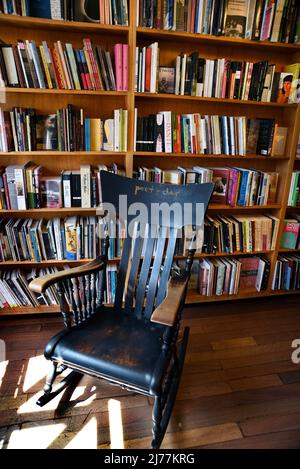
[[35, 249], [207, 17], [196, 17], [40, 9], [63, 243], [288, 278], [87, 128], [242, 191]]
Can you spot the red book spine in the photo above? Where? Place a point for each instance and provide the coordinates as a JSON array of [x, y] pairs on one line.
[[125, 67], [57, 71], [97, 80], [118, 66], [148, 69], [177, 146], [192, 25]]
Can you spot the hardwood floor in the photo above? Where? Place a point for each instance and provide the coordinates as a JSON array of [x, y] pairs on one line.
[[239, 388]]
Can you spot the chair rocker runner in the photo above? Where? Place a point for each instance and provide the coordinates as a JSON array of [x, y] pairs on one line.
[[136, 343]]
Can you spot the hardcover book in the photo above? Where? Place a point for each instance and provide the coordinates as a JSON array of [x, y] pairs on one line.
[[290, 234], [51, 193], [166, 80]]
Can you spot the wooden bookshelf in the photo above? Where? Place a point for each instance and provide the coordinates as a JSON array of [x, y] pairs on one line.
[[171, 43]]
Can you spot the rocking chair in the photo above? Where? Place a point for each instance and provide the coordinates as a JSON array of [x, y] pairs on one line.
[[134, 344]]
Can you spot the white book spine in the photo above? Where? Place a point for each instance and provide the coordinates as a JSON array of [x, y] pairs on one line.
[[10, 66], [168, 131], [177, 75], [55, 9], [20, 188], [277, 20], [136, 88], [67, 193], [182, 78], [85, 179], [144, 69]]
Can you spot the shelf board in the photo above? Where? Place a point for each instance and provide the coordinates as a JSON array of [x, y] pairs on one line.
[[60, 25], [140, 154], [216, 40], [64, 153], [117, 259], [194, 296], [92, 211], [42, 91], [288, 251], [24, 310], [174, 97]]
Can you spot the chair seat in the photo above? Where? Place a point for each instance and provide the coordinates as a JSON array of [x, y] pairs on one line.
[[109, 344]]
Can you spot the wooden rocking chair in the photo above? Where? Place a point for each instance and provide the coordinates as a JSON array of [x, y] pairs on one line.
[[134, 344]]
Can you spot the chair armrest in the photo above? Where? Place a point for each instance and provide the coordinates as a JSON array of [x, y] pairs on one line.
[[40, 284], [167, 311]]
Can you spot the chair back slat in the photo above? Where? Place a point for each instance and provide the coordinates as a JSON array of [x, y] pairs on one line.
[[122, 272], [137, 248], [69, 288], [76, 289], [88, 295], [168, 261], [93, 294], [144, 273], [155, 273]]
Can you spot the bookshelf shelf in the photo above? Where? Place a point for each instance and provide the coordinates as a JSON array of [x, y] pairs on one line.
[[157, 34], [93, 102], [141, 154], [170, 97], [117, 259], [48, 92], [60, 25], [48, 153], [93, 211]]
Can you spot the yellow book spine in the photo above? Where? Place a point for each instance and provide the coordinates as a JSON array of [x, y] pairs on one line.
[[46, 68]]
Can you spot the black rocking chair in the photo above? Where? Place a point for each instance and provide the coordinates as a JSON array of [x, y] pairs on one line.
[[136, 343]]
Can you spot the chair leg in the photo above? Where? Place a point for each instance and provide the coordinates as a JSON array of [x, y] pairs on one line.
[[50, 379], [163, 404], [56, 370]]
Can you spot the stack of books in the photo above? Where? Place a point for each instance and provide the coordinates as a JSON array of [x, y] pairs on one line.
[[15, 292], [229, 276], [65, 130], [287, 273], [239, 233], [104, 12], [23, 187], [233, 186], [73, 238], [63, 67], [169, 132], [216, 78], [253, 19], [294, 194]]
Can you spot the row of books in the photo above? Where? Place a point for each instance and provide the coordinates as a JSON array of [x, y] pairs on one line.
[[228, 276], [287, 273], [294, 194], [239, 233], [91, 11], [169, 132], [28, 65], [72, 238], [290, 238], [260, 20], [23, 187], [15, 292], [65, 130], [217, 78], [233, 186]]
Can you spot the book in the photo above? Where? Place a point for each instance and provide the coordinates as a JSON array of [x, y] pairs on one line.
[[51, 192], [290, 234], [166, 80]]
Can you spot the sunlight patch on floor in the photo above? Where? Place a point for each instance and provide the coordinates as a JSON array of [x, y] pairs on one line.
[[37, 370], [115, 424], [39, 437], [86, 438], [3, 366]]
